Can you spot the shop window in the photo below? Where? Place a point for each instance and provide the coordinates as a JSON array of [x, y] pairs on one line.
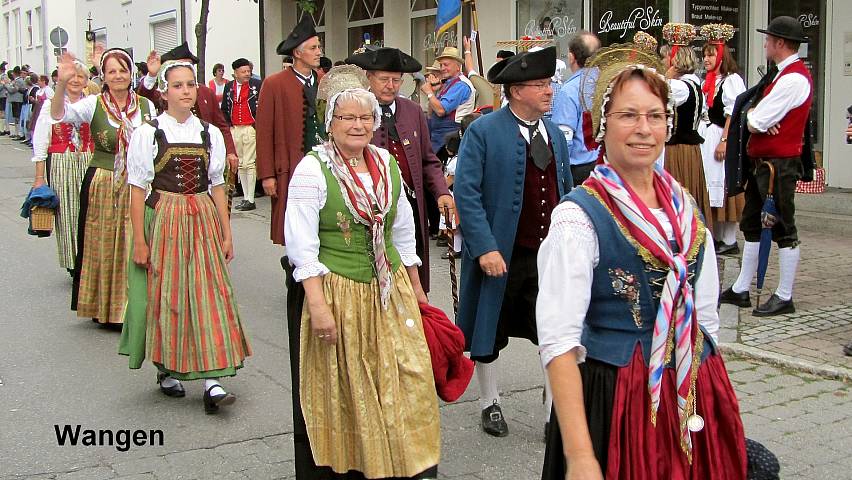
[[426, 44], [732, 12], [365, 23], [555, 19], [616, 21], [810, 14]]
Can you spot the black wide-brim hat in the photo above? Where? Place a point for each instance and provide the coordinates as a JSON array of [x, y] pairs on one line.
[[178, 53], [785, 27], [524, 66], [385, 59], [303, 31]]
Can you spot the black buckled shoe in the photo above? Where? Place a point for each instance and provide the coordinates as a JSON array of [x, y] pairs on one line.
[[245, 206], [774, 306], [493, 422], [174, 390], [213, 402], [741, 300]]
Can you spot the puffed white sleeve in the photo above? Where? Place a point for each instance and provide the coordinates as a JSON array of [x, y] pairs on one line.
[[216, 166], [306, 195], [41, 134], [732, 87], [566, 262], [403, 232], [680, 91], [140, 157], [79, 112], [707, 291]]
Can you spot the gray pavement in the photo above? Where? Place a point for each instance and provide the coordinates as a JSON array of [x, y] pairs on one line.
[[56, 369]]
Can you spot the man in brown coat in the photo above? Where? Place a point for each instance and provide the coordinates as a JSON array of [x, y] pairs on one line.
[[287, 121]]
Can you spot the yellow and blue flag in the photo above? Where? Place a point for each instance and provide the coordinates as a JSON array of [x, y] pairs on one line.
[[449, 13]]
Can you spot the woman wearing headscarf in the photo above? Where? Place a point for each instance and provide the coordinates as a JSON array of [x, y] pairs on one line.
[[182, 313], [61, 154], [721, 87], [366, 387], [640, 389], [100, 282]]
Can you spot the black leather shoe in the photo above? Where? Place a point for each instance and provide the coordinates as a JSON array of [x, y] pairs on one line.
[[493, 422], [174, 390], [725, 249], [741, 300], [245, 206], [213, 402], [774, 306]]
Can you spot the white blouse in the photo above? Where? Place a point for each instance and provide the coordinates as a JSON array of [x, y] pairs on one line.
[[143, 149], [732, 86], [84, 110], [307, 195], [680, 90], [566, 263]]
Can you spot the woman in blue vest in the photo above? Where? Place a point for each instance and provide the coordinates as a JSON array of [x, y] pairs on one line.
[[366, 391], [640, 390]]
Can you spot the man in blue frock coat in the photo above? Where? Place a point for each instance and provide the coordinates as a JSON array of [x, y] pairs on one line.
[[513, 168]]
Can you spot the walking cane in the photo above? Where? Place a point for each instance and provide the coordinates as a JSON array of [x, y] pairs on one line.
[[451, 253]]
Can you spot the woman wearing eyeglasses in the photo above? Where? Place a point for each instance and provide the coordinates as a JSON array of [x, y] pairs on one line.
[[365, 381], [639, 388]]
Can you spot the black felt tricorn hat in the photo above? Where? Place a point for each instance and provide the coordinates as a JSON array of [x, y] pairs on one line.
[[386, 59], [524, 66], [785, 27], [304, 30], [178, 53]]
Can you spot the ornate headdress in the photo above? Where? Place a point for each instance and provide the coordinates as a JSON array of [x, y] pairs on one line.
[[645, 42], [678, 35], [716, 33], [607, 64], [112, 52], [340, 79], [162, 84]]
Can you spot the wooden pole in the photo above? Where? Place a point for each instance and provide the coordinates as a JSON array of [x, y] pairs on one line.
[[475, 22]]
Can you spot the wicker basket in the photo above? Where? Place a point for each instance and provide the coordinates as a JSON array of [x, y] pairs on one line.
[[41, 219]]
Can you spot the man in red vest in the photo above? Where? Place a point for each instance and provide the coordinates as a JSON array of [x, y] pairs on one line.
[[777, 124], [239, 105]]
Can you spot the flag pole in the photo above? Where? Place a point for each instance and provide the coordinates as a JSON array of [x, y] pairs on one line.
[[475, 23]]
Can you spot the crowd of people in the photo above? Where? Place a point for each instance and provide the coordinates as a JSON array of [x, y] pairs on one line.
[[589, 201]]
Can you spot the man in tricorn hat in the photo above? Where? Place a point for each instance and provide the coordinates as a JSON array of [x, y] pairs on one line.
[[206, 106], [777, 124], [405, 134], [513, 170], [239, 105], [287, 121]]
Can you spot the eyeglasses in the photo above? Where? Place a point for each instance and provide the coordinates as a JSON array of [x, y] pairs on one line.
[[631, 119], [385, 81], [365, 119], [537, 86]]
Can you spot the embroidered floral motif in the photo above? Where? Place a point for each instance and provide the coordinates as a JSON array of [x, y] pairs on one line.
[[626, 286], [345, 227]]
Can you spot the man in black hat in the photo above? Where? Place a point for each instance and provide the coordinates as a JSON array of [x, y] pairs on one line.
[[206, 106], [288, 124], [239, 105], [777, 124], [513, 169], [405, 133]]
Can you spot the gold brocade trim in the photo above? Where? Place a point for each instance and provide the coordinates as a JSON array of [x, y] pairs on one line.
[[173, 152], [697, 351]]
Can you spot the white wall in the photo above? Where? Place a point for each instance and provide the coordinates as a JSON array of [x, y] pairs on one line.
[[836, 153], [126, 21], [50, 14], [232, 32]]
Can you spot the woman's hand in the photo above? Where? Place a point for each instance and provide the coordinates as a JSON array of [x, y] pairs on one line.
[[420, 295], [584, 468], [66, 70], [228, 249], [38, 182], [721, 151], [322, 323], [140, 254]]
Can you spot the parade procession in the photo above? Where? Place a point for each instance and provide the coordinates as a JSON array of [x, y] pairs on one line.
[[426, 239]]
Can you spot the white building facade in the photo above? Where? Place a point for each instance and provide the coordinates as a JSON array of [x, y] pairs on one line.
[[26, 26]]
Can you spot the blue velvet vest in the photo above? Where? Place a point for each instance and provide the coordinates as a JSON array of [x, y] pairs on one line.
[[626, 288]]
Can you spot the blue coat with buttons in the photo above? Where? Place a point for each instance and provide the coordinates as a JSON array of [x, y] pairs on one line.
[[488, 192]]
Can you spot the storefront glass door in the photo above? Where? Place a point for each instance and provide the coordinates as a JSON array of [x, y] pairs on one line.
[[616, 21], [556, 19]]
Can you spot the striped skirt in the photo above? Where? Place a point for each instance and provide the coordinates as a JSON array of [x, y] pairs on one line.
[[193, 327], [101, 286], [65, 176], [369, 402]]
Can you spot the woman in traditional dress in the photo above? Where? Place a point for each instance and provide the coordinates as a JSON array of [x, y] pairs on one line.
[[61, 153], [640, 389], [217, 83], [182, 315], [366, 386], [721, 87], [100, 282]]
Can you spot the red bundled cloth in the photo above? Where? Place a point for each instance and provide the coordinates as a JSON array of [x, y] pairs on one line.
[[451, 368]]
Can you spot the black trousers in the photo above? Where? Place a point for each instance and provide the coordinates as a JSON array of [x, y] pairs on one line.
[[787, 172], [517, 313], [306, 468]]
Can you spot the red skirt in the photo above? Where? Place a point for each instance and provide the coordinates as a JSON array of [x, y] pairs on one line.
[[628, 446]]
